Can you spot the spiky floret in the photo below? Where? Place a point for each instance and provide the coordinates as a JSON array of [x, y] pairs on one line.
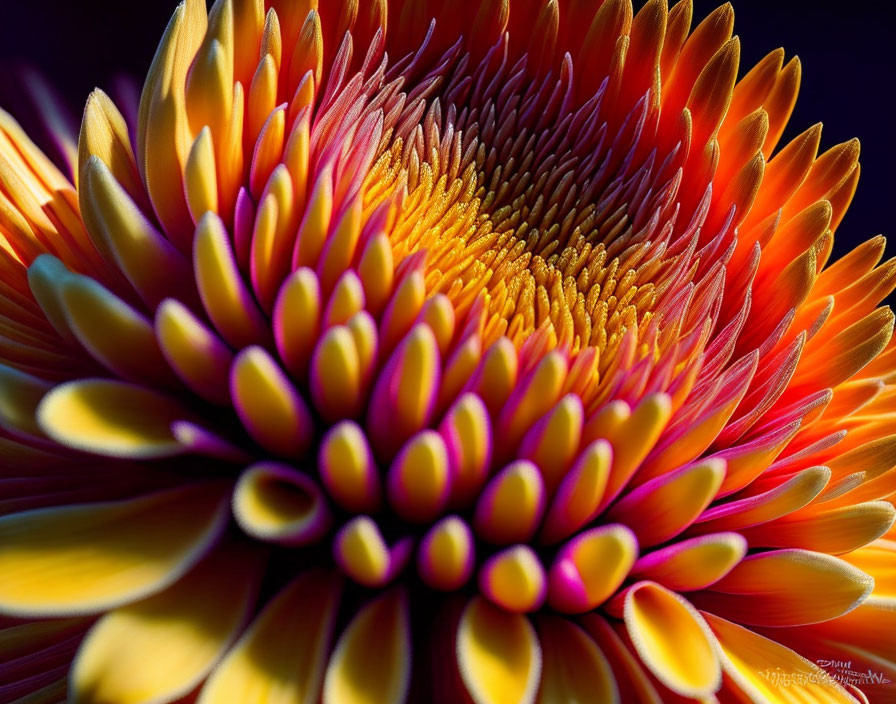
[[405, 323]]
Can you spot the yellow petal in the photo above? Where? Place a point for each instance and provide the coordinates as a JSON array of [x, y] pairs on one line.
[[111, 418], [114, 333], [372, 660], [515, 579], [274, 502], [362, 552], [590, 568], [270, 407], [552, 442], [633, 438], [575, 669], [92, 557], [199, 357], [498, 654], [672, 640], [296, 318], [224, 293], [758, 667], [336, 375], [511, 505], [163, 131], [20, 395], [200, 184], [281, 658], [632, 680], [159, 649], [104, 134], [118, 226], [578, 498]]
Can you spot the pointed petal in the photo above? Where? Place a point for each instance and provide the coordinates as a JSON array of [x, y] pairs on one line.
[[834, 531], [149, 261], [661, 508], [878, 560], [785, 498], [769, 589]]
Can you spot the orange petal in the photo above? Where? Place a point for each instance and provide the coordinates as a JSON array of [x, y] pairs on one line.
[[769, 589], [758, 666]]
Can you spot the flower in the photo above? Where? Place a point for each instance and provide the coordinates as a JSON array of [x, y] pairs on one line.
[[443, 356]]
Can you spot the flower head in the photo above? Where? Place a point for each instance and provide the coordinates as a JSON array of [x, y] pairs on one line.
[[395, 352]]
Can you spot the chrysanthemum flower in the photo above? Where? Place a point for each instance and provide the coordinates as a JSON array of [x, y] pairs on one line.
[[415, 352]]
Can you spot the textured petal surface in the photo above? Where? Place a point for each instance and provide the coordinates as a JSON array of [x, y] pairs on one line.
[[769, 589], [766, 671], [672, 640]]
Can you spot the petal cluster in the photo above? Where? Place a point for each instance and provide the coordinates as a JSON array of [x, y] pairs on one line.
[[396, 352]]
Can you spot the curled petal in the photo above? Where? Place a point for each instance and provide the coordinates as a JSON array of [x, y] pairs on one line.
[[111, 418], [498, 654], [590, 568], [275, 502], [672, 640]]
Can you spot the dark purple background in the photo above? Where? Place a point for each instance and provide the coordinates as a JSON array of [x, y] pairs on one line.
[[847, 69]]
